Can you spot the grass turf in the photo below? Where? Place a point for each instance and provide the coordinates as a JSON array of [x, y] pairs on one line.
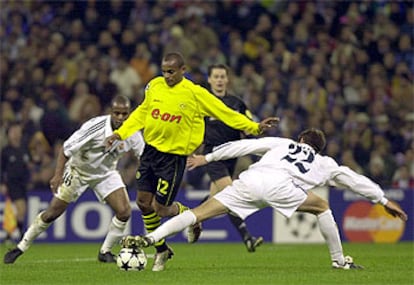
[[215, 264]]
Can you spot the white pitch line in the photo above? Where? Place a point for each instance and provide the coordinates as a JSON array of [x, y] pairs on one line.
[[64, 260], [86, 259]]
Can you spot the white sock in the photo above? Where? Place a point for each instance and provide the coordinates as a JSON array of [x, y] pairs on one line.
[[329, 230], [36, 228], [114, 235], [174, 225]]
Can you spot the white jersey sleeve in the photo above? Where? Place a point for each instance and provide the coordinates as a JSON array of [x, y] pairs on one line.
[[85, 148], [88, 131], [343, 176], [137, 144], [243, 147]]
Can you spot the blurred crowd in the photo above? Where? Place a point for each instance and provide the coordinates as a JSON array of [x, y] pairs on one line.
[[346, 67]]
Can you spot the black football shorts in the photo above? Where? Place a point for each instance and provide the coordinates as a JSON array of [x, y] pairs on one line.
[[161, 174]]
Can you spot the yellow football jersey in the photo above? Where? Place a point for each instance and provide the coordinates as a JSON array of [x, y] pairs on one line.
[[173, 117]]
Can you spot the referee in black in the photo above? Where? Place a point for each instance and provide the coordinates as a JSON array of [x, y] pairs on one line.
[[15, 174], [217, 133]]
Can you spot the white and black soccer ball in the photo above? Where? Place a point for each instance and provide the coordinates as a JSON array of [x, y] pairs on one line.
[[131, 259]]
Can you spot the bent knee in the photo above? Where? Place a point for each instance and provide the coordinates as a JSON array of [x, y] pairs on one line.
[[124, 213], [323, 208], [314, 205], [144, 205], [323, 205]]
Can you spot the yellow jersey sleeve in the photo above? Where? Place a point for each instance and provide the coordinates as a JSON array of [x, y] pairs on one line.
[[135, 121], [214, 107]]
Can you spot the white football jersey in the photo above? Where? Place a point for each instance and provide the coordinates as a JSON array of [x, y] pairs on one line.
[[286, 161], [85, 148]]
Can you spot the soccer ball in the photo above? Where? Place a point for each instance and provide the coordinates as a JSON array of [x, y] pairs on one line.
[[131, 259]]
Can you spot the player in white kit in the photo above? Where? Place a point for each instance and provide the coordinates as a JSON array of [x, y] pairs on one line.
[[281, 179], [84, 163]]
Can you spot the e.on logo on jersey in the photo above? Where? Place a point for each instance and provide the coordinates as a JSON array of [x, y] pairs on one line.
[[365, 222], [156, 114]]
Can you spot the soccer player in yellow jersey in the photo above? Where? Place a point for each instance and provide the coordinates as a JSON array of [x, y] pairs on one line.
[[172, 118]]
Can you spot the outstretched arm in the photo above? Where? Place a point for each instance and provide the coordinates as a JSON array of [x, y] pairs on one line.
[[235, 149], [362, 185]]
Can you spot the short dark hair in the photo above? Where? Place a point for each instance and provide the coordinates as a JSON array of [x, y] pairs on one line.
[[313, 137], [175, 56], [219, 66], [120, 100]]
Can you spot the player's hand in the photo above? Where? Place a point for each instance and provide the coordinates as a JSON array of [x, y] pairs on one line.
[[268, 123], [55, 182], [195, 160], [110, 142], [394, 210]]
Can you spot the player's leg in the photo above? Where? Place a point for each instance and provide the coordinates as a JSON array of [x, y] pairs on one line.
[[119, 202], [147, 184], [67, 192], [39, 225], [21, 209], [150, 217], [327, 225], [43, 221], [152, 221], [169, 172], [221, 203], [205, 211], [219, 172], [148, 181], [18, 196], [329, 229]]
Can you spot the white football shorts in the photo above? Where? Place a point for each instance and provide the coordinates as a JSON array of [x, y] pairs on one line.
[[74, 185], [245, 200]]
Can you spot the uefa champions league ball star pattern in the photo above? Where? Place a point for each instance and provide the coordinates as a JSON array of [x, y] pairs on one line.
[[131, 259]]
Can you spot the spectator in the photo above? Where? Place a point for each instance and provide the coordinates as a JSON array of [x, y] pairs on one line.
[[141, 62], [178, 41], [8, 116], [255, 45], [361, 48], [202, 36], [80, 101], [313, 96], [104, 88], [55, 122], [348, 159], [376, 170], [42, 167], [402, 179], [126, 79]]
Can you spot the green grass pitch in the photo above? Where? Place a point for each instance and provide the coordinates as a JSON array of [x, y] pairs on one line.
[[215, 264]]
